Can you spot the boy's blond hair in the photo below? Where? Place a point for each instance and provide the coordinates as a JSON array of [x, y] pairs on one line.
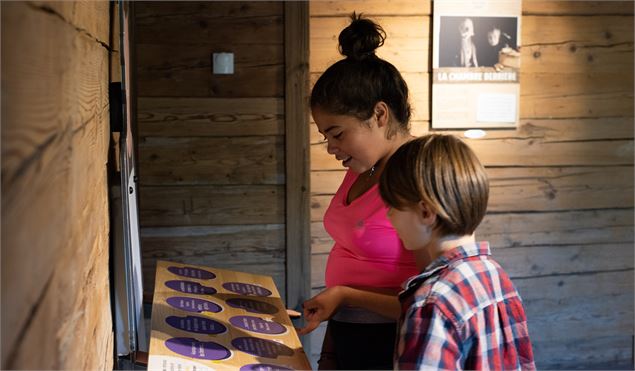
[[444, 173]]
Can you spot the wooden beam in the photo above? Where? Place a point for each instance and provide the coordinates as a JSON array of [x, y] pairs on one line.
[[296, 40]]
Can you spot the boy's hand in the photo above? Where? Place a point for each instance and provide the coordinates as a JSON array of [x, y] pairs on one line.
[[320, 308]]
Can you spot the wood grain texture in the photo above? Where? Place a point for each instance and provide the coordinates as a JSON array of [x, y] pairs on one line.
[[209, 22], [561, 315], [298, 249], [175, 44], [55, 133], [599, 30], [205, 117], [573, 7], [211, 205], [185, 70], [212, 160], [370, 8], [86, 17]]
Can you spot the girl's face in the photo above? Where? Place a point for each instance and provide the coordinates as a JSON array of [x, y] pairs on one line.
[[411, 226], [357, 144]]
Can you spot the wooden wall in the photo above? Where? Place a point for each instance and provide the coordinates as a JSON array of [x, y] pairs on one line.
[[560, 217], [212, 147], [55, 132]]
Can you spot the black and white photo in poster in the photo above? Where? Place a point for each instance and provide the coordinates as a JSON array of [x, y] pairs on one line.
[[470, 41]]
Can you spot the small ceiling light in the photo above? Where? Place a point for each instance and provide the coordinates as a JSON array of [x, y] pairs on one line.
[[474, 133]]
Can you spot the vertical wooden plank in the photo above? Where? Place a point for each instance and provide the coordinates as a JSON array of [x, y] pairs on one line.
[[296, 39], [55, 240]]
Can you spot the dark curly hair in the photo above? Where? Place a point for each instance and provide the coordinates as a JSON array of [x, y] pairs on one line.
[[355, 84]]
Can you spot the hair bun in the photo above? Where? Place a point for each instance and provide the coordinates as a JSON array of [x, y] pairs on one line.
[[359, 40]]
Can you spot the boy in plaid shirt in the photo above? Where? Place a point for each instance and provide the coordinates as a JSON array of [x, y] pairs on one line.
[[462, 311]]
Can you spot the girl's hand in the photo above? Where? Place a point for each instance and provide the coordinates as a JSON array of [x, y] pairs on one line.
[[320, 308]]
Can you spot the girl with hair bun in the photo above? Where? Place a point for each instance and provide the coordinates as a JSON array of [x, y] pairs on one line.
[[360, 105]]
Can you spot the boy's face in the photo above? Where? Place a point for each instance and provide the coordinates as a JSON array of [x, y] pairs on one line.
[[410, 224]]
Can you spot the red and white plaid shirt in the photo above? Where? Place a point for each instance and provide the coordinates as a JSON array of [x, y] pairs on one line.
[[463, 312]]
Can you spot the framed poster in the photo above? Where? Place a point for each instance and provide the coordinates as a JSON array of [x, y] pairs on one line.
[[476, 64]]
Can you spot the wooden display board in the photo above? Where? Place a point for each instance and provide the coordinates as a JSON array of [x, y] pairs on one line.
[[212, 319]]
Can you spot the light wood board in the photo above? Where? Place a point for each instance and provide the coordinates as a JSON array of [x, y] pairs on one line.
[[206, 318]]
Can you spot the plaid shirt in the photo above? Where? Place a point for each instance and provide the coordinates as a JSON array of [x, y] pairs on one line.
[[463, 312]]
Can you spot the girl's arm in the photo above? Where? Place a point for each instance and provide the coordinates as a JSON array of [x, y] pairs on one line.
[[324, 305]]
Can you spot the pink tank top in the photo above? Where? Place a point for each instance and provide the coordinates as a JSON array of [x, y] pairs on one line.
[[367, 250]]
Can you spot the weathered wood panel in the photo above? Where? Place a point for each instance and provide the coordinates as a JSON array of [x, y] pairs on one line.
[[175, 43], [297, 169], [588, 105], [576, 95], [573, 85], [574, 30], [184, 70], [565, 321], [209, 22], [582, 353], [211, 205], [211, 160], [260, 248], [87, 17], [574, 7], [370, 7], [524, 262], [54, 201], [582, 57], [212, 147], [558, 228], [203, 117]]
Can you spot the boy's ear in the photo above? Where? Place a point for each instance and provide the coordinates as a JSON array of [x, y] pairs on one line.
[[428, 216], [381, 113]]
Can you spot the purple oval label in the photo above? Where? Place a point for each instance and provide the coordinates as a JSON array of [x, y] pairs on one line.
[[199, 325], [193, 304], [252, 306], [246, 289], [261, 347], [264, 367], [192, 272], [193, 348], [257, 324], [190, 287]]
